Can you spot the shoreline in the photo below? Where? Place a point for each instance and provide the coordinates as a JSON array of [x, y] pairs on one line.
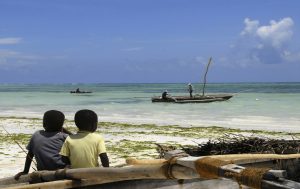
[[123, 140], [226, 124]]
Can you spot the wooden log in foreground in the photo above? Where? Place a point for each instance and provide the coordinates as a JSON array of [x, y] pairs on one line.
[[133, 172], [176, 168], [133, 161], [59, 184], [100, 175], [234, 158]]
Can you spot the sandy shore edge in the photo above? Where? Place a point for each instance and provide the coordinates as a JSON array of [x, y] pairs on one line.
[[122, 140]]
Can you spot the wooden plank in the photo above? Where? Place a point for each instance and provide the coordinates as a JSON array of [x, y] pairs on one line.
[[113, 174], [132, 172], [183, 169], [280, 184], [238, 158], [133, 161], [62, 184]]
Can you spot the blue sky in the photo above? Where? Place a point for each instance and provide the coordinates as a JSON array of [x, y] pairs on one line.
[[149, 41]]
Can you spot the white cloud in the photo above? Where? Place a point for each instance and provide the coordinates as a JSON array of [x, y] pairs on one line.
[[251, 26], [13, 58], [10, 40], [291, 56], [276, 33], [14, 54], [265, 44], [7, 53]]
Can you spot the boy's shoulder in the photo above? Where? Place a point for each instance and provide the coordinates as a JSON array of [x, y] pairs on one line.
[[97, 137], [38, 132], [86, 135], [45, 134], [96, 134]]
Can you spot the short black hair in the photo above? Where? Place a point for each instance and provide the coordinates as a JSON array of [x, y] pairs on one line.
[[86, 120], [53, 120]]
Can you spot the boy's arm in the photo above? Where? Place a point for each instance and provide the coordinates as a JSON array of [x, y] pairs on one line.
[[66, 160], [65, 153], [104, 159], [28, 161]]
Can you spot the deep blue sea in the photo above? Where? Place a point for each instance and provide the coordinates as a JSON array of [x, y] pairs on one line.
[[268, 106]]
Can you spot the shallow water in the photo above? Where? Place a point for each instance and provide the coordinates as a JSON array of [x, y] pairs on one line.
[[269, 106]]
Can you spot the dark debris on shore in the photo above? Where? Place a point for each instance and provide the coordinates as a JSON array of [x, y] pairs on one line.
[[238, 144]]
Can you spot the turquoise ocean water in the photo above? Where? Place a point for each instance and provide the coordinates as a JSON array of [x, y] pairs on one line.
[[268, 106]]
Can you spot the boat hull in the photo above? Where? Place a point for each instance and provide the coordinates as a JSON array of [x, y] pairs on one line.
[[82, 92], [195, 99], [169, 184]]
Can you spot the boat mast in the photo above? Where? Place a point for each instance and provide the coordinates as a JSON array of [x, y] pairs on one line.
[[204, 80]]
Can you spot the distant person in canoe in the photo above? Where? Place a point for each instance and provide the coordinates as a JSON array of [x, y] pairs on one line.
[[190, 89], [79, 91], [165, 95], [45, 145], [84, 148]]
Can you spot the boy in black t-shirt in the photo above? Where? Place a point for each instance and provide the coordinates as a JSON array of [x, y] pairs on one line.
[[45, 145]]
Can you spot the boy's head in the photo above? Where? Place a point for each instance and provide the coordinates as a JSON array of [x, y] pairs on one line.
[[86, 120], [53, 120]]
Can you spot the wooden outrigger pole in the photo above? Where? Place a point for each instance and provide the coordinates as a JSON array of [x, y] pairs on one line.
[[204, 79]]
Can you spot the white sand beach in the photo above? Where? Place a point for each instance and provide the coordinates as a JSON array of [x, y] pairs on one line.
[[122, 140], [12, 156]]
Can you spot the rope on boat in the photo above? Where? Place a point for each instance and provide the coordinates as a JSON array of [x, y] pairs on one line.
[[61, 174], [250, 176], [168, 168], [168, 165], [209, 168], [42, 176], [36, 177]]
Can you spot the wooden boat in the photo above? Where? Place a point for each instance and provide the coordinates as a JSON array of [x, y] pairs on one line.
[[195, 99], [80, 92], [171, 172]]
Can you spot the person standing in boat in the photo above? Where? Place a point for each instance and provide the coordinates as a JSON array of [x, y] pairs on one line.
[[45, 145], [84, 148], [190, 89]]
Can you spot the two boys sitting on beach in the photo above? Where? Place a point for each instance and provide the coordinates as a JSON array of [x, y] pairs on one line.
[[53, 149]]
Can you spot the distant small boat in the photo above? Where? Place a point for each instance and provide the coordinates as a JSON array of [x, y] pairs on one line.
[[195, 99], [80, 92]]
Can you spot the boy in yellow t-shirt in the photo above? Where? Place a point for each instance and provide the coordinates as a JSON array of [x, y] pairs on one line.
[[84, 148]]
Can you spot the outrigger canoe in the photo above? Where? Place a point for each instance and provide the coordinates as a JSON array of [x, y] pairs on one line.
[[80, 92], [195, 99], [177, 170]]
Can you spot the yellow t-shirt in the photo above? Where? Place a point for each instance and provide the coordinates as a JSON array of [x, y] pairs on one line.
[[83, 149]]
